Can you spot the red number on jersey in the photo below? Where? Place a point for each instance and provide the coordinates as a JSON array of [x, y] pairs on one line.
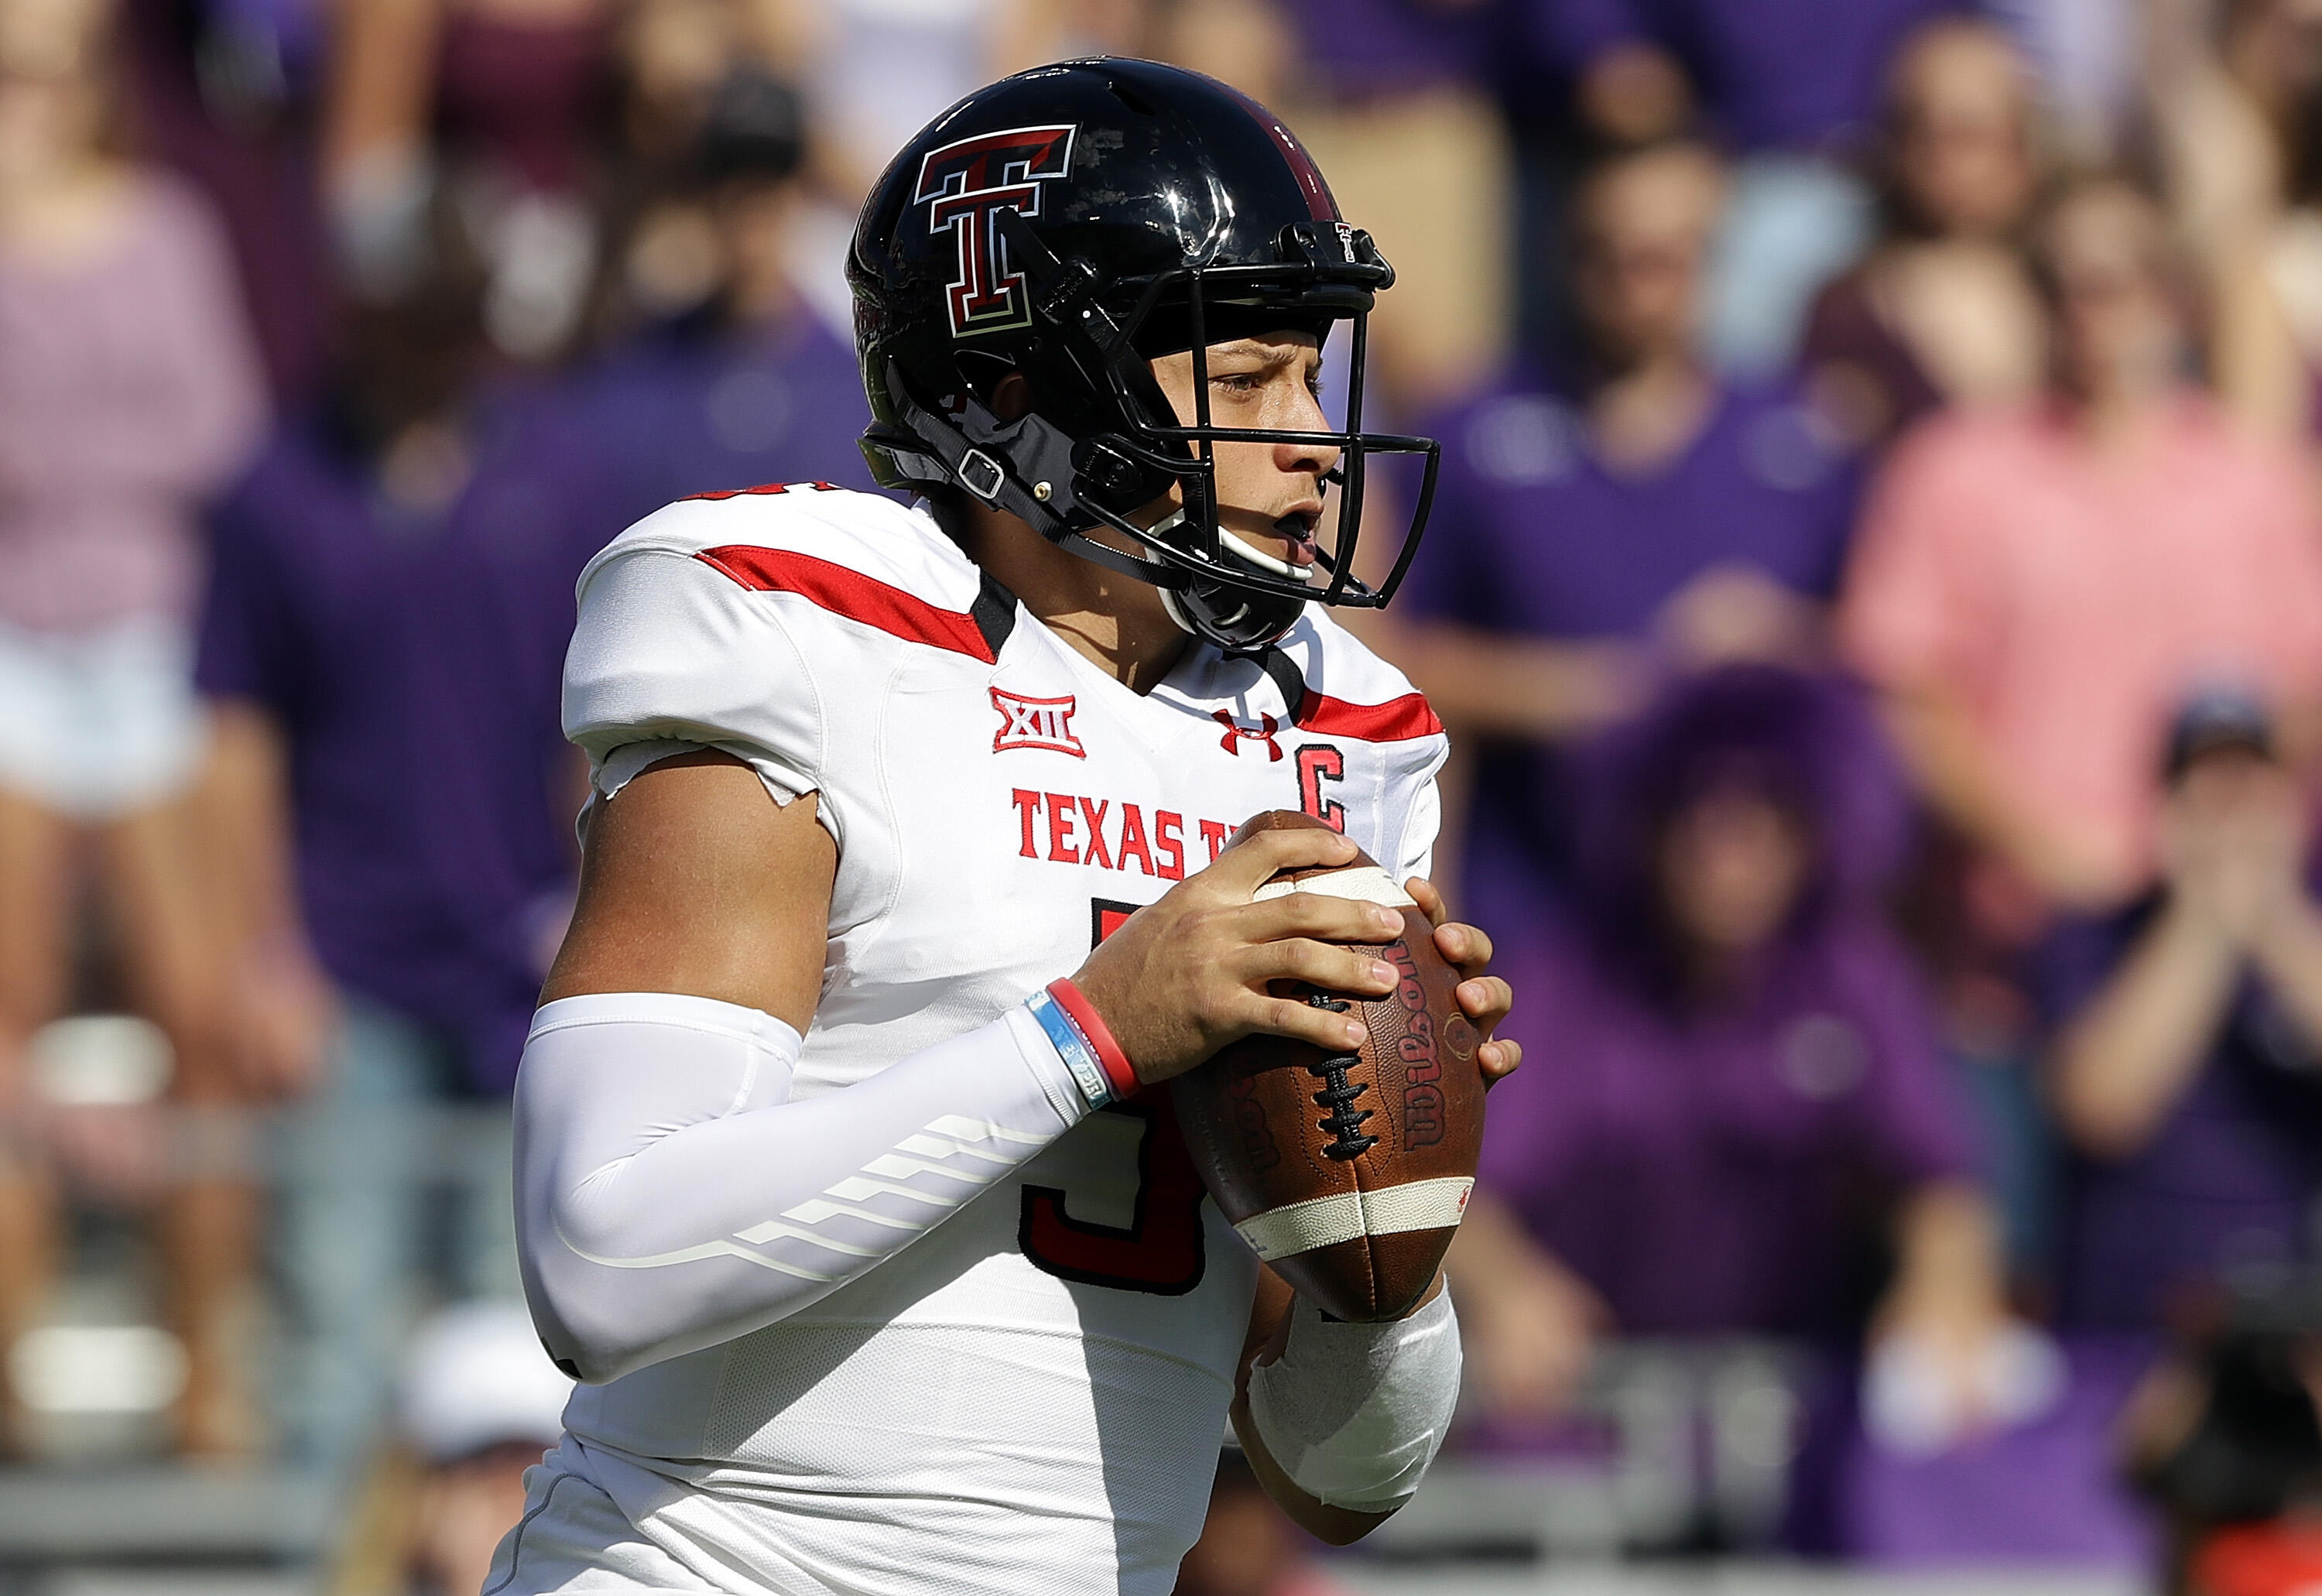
[[1159, 1251]]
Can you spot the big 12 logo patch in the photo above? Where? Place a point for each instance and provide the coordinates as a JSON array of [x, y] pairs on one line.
[[1035, 722]]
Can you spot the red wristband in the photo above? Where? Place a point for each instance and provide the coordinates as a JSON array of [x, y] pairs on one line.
[[1117, 1070]]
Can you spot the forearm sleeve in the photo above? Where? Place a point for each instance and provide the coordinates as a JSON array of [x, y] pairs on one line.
[[670, 1196]]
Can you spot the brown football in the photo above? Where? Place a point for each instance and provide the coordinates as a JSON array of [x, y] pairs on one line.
[[1347, 1172]]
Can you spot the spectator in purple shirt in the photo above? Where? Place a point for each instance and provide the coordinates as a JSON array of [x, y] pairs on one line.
[[1791, 86], [381, 642], [740, 381], [1586, 532], [1741, 1096], [2187, 1072], [1771, 74], [393, 594]]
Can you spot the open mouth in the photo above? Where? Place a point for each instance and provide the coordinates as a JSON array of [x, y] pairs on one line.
[[1299, 551]]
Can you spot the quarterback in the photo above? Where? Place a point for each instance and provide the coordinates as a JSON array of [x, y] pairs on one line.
[[841, 1185]]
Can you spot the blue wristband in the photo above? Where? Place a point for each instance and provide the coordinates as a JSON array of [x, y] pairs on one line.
[[1073, 1048]]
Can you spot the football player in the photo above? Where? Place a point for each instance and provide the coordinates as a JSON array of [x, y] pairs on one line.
[[842, 1184]]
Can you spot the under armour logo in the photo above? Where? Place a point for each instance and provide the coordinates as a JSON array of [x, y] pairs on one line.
[[966, 185], [1236, 733], [1035, 722]]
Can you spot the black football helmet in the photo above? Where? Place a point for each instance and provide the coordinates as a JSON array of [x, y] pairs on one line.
[[1068, 224]]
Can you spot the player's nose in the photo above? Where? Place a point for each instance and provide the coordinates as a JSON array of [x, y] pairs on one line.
[[1305, 455]]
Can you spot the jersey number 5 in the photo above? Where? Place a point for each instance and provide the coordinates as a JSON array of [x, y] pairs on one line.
[[1160, 1250]]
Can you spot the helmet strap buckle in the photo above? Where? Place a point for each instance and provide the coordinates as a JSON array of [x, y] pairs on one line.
[[981, 475]]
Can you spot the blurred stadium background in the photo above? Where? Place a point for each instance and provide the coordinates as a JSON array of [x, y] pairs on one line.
[[1876, 592]]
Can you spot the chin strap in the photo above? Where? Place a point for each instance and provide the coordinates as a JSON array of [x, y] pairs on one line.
[[976, 454], [1142, 567]]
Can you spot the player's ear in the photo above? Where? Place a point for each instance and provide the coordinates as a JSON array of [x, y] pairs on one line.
[[1012, 398]]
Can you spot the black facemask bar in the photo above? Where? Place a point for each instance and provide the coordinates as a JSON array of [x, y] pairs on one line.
[[1315, 286], [1197, 544]]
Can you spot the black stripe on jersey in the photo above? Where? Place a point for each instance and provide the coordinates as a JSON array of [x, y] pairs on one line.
[[1283, 671], [994, 613]]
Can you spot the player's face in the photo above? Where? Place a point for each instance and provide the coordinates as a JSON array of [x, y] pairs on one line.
[[1269, 495]]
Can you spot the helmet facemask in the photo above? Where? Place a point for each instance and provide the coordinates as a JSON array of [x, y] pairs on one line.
[[1102, 446]]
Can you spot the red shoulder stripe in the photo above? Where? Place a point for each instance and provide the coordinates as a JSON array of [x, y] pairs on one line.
[[1397, 720], [851, 594], [762, 487]]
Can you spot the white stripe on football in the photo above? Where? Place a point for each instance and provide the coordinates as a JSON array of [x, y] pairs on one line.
[[1326, 1221]]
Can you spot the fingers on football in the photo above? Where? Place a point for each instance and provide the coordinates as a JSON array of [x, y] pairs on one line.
[[1328, 1028], [1485, 999], [1320, 964], [1466, 946], [1251, 863], [1430, 901], [1499, 1059], [1318, 915]]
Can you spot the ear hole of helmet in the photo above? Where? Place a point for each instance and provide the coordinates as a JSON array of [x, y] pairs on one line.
[[1107, 472]]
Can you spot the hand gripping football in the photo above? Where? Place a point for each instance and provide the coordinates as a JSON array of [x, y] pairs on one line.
[[1347, 1172]]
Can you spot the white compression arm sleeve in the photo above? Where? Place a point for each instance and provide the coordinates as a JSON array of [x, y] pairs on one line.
[[1355, 1413], [670, 1197]]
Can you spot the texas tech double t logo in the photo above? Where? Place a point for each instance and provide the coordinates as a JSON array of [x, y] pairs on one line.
[[966, 185]]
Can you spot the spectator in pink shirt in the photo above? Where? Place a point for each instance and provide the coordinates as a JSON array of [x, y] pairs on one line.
[[129, 391], [2037, 589]]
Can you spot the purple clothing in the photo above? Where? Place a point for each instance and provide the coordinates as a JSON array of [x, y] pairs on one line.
[[693, 411], [129, 392], [2046, 1493], [1720, 1173], [1715, 1167], [416, 664], [1532, 536], [259, 172], [1364, 47], [2228, 1181], [412, 663], [1773, 74], [1872, 376], [521, 94]]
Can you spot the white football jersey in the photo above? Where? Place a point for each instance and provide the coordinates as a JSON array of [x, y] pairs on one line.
[[1031, 1396]]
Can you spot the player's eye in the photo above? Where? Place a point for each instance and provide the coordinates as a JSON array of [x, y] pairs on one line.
[[1236, 382]]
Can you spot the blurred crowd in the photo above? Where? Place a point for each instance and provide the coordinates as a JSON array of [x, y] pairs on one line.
[[1874, 588]]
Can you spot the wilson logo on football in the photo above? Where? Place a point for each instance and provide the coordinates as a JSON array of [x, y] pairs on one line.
[[1035, 722], [966, 185]]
